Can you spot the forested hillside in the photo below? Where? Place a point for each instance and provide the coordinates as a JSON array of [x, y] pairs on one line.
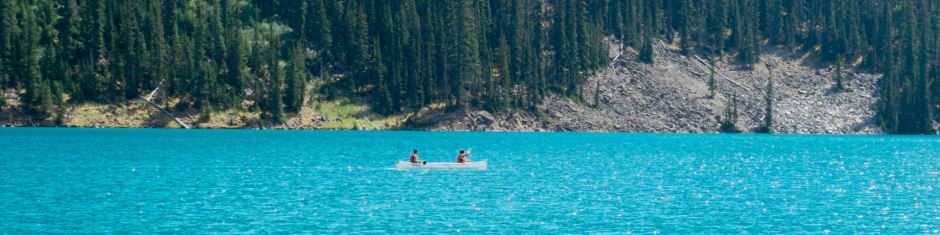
[[402, 55]]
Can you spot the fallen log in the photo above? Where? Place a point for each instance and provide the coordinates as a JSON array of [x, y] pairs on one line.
[[722, 75], [166, 112]]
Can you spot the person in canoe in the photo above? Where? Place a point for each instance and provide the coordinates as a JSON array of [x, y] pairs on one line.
[[462, 157], [414, 158]]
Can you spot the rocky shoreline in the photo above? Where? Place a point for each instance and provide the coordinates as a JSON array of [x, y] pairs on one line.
[[670, 95]]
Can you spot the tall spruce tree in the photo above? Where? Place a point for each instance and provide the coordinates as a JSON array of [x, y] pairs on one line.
[[712, 83], [296, 80], [840, 83], [646, 52], [768, 125]]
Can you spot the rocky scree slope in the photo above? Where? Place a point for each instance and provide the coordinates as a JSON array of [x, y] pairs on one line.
[[672, 95]]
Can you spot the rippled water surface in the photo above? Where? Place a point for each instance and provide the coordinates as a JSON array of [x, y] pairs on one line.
[[204, 181]]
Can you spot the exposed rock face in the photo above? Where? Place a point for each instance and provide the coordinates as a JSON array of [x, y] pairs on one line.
[[475, 121], [669, 96], [672, 96]]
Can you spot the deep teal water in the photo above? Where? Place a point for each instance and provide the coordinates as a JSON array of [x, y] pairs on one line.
[[207, 181]]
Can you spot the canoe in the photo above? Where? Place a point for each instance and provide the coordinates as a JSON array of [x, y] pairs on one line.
[[474, 165]]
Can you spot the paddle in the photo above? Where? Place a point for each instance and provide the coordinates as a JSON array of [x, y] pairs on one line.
[[467, 158]]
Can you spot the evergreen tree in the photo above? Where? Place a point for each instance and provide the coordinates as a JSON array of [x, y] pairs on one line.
[[730, 118], [275, 107], [712, 83], [238, 63], [319, 26], [888, 115], [382, 95], [646, 52], [94, 84], [58, 100], [38, 95], [3, 97], [40, 102], [767, 127], [840, 84], [297, 80], [685, 28], [8, 31]]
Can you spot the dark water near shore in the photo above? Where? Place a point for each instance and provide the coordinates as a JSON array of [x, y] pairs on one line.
[[204, 181]]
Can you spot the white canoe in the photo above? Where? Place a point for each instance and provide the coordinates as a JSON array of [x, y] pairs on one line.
[[474, 165]]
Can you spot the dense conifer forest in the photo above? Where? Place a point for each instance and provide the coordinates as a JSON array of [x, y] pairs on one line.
[[401, 55]]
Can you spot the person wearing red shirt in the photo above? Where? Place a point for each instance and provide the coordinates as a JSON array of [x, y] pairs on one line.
[[414, 158], [462, 157]]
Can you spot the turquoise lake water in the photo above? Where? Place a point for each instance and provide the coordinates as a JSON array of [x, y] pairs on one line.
[[208, 181]]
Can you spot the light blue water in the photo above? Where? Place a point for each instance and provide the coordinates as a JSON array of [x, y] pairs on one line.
[[204, 181]]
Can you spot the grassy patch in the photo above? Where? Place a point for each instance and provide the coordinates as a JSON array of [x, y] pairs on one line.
[[342, 114], [90, 115], [345, 114]]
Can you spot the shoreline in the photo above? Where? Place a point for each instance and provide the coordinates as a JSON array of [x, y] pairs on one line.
[[462, 130], [670, 96]]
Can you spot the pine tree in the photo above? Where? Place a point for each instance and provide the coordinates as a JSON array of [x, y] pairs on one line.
[[40, 102], [840, 84], [909, 73], [73, 41], [381, 95], [767, 127], [38, 95], [297, 80], [921, 110], [468, 53], [794, 8], [712, 83], [8, 28], [59, 101], [358, 49], [275, 107], [888, 115], [646, 52], [3, 96], [274, 103], [685, 29], [238, 63], [716, 26], [730, 119], [319, 26]]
